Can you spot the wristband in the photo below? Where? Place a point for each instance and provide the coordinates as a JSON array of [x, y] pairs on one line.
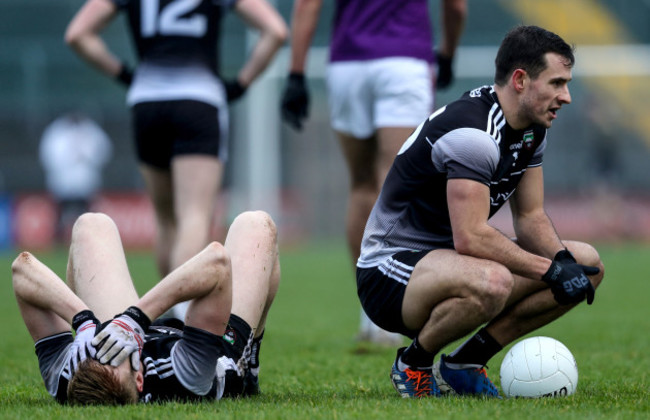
[[564, 256], [138, 316], [82, 317]]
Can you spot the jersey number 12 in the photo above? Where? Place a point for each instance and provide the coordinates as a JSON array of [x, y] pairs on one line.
[[172, 19]]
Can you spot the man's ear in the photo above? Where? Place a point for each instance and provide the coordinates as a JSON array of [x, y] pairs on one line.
[[520, 79], [139, 380]]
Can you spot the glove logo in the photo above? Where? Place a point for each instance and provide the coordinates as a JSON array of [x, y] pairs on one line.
[[556, 272]]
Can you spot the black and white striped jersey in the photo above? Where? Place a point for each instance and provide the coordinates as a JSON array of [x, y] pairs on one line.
[[176, 371], [469, 138]]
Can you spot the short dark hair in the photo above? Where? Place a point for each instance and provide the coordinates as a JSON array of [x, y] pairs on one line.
[[97, 384], [525, 47]]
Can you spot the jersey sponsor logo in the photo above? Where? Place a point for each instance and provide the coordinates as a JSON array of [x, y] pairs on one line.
[[500, 198]]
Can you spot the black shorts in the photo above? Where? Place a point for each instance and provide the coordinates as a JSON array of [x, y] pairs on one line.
[[381, 290], [164, 129]]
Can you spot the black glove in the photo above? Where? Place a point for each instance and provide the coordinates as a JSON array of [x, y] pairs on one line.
[[564, 256], [445, 71], [125, 76], [295, 101], [568, 279], [234, 90]]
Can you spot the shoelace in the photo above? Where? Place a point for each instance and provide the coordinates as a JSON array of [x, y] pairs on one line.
[[422, 381], [486, 379], [481, 371]]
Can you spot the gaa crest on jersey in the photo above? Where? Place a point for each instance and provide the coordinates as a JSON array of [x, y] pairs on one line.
[[528, 139], [230, 336]]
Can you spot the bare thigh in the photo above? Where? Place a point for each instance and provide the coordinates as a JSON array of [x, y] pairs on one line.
[[443, 275], [97, 269]]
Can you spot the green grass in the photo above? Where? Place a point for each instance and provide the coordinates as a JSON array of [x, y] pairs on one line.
[[313, 369]]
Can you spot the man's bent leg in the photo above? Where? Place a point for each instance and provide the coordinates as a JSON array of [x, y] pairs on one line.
[[252, 244], [448, 296], [97, 269]]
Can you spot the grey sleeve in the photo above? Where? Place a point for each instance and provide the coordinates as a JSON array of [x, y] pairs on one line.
[[466, 153], [53, 362]]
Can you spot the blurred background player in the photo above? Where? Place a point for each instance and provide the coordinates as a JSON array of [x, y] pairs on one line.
[[380, 87], [178, 102], [73, 151]]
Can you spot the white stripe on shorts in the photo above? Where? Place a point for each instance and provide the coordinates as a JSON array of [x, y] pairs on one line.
[[396, 270]]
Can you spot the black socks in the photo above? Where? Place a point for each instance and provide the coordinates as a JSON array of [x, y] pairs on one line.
[[416, 356], [476, 350]]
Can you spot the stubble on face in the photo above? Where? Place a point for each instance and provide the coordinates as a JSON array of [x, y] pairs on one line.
[[547, 93]]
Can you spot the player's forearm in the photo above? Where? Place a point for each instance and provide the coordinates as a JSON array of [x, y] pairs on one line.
[[197, 277], [536, 234], [262, 16], [490, 244], [454, 13], [92, 49], [267, 46], [303, 25], [82, 35], [37, 286]]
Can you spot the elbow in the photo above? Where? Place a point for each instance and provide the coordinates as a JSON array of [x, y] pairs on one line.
[[218, 266], [463, 243], [72, 38]]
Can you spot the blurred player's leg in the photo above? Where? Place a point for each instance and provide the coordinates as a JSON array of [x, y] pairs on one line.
[[159, 187], [196, 182], [366, 177]]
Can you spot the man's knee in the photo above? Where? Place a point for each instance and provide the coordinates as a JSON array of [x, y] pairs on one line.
[[493, 288], [586, 254], [90, 223], [256, 220]]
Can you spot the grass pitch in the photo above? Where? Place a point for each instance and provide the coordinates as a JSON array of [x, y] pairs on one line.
[[312, 368]]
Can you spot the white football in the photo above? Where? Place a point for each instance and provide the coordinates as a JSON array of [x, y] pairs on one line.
[[539, 367]]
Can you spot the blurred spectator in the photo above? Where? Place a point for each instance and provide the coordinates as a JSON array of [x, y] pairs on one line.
[[73, 151]]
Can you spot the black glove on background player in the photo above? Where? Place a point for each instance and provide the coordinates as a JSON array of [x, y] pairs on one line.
[[125, 76], [445, 71], [295, 101], [234, 90], [568, 279]]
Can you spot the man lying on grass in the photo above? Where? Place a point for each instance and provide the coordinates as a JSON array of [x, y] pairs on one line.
[[127, 358]]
